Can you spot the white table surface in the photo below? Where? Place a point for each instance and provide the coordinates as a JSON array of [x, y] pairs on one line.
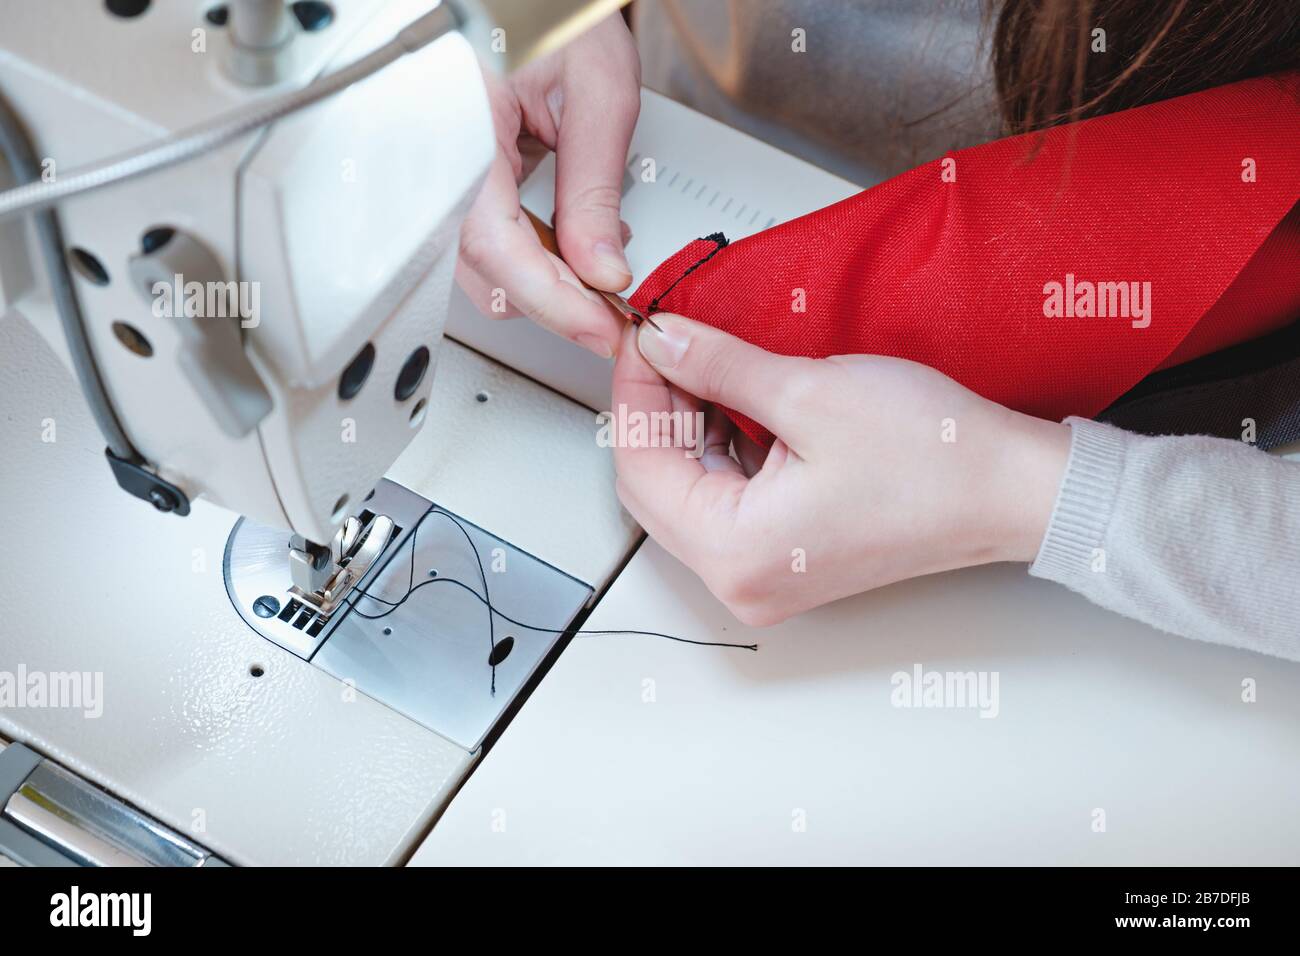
[[1095, 712]]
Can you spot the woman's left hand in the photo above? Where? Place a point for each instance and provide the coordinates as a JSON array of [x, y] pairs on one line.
[[882, 469]]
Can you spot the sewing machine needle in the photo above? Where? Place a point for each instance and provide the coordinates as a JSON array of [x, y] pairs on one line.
[[627, 310]]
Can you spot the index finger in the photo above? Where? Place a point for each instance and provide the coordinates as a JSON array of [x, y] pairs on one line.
[[499, 244]]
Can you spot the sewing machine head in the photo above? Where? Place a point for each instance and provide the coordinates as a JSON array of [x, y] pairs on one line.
[[264, 320]]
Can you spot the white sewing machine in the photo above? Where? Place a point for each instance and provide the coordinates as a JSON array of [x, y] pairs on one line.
[[216, 688], [254, 331]]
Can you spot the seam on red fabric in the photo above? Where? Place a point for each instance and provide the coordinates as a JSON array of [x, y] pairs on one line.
[[719, 241]]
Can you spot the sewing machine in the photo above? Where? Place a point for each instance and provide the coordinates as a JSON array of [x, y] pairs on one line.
[[246, 697], [207, 606]]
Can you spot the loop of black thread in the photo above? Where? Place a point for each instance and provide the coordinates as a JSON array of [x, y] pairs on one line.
[[494, 612], [393, 606], [720, 242], [411, 586]]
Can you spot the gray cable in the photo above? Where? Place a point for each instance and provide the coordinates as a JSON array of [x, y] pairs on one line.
[[17, 149], [214, 134]]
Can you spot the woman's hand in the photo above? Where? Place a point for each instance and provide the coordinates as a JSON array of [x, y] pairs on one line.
[[582, 102], [882, 470]]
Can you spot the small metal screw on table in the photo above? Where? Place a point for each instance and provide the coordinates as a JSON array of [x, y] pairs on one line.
[[266, 606]]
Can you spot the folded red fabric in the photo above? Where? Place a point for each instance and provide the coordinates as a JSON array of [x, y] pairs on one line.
[[1049, 272]]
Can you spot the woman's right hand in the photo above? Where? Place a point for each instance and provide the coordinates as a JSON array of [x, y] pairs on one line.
[[582, 102]]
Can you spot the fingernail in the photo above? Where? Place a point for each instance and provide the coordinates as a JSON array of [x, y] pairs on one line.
[[664, 349], [594, 343], [610, 256], [626, 232]]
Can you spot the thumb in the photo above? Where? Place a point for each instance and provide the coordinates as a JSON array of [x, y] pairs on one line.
[[717, 367]]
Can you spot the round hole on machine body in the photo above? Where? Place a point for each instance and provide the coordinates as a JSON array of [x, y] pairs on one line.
[[218, 16], [127, 8], [433, 572], [417, 413], [387, 631], [482, 397], [88, 267], [412, 373], [155, 238], [355, 375], [501, 651], [256, 670], [313, 15], [133, 339]]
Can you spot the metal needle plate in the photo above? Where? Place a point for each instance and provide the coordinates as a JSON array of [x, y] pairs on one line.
[[429, 658]]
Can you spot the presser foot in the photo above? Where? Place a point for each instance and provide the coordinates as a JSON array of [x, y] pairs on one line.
[[324, 575]]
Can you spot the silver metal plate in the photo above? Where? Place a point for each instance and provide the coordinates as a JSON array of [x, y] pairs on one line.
[[429, 658], [258, 578], [92, 828]]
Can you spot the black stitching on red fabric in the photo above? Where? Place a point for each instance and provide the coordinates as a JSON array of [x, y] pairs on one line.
[[720, 243]]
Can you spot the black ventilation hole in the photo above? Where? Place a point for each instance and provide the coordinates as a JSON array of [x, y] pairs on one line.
[[88, 267], [501, 651], [126, 8], [256, 670], [482, 397], [313, 15], [417, 413], [156, 238], [218, 16], [355, 375], [133, 339], [408, 380]]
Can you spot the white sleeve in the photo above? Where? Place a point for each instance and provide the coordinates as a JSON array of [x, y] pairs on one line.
[[1196, 536]]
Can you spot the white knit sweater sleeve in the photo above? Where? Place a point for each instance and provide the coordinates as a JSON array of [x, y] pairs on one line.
[[1196, 536]]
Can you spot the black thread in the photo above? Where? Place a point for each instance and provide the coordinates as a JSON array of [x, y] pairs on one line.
[[411, 586], [493, 612], [720, 243], [546, 630]]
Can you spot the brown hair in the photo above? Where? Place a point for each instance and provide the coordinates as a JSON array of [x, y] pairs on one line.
[[1048, 69]]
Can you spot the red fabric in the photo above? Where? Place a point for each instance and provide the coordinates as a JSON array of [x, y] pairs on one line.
[[955, 274]]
